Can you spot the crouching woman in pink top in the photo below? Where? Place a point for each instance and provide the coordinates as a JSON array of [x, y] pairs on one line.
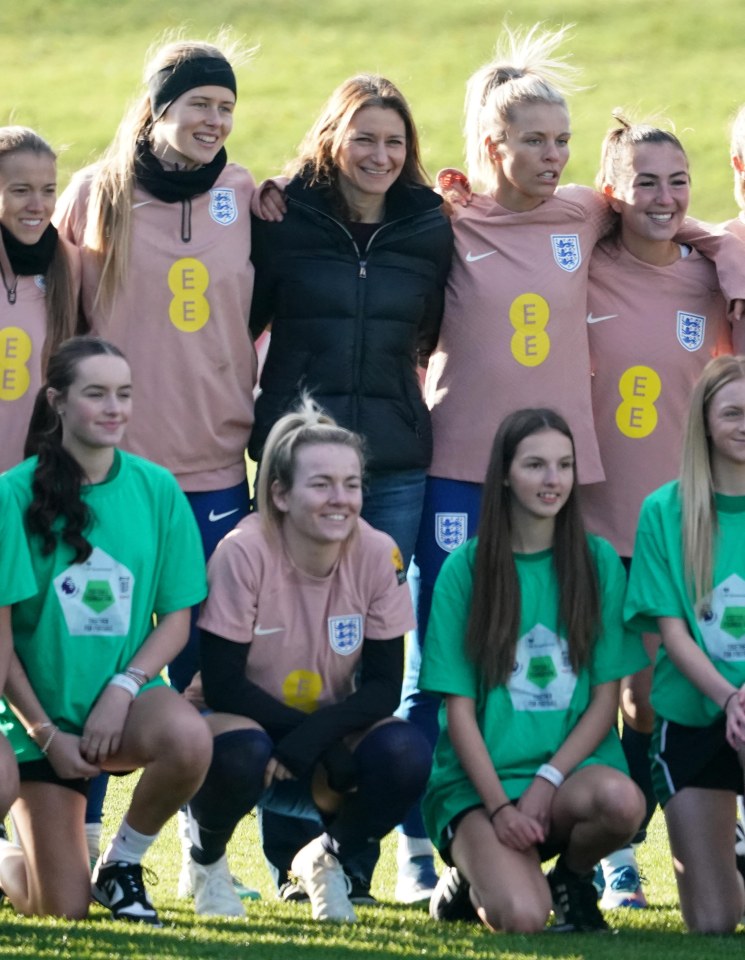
[[302, 657]]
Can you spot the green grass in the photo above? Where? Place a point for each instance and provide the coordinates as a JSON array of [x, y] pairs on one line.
[[277, 931], [70, 65], [68, 68]]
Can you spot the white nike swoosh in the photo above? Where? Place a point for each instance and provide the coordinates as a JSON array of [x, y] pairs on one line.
[[472, 258], [262, 631], [214, 517], [591, 319], [142, 203]]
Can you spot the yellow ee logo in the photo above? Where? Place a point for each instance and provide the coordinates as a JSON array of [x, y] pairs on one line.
[[639, 387], [302, 690], [530, 344], [15, 352], [188, 280]]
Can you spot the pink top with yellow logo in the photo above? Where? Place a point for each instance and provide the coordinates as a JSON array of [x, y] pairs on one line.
[[513, 333], [652, 329], [23, 330], [306, 633], [182, 321]]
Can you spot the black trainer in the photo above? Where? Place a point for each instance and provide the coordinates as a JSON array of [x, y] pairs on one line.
[[119, 887], [575, 901], [452, 898], [291, 892], [359, 892]]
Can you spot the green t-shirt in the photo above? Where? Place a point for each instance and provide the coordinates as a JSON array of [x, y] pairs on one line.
[[89, 619], [17, 581], [523, 722], [658, 588]]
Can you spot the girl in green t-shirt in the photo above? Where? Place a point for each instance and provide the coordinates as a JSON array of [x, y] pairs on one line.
[[526, 644], [688, 581], [112, 541]]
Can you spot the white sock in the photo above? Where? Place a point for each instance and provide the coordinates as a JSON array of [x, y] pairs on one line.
[[93, 839], [128, 846], [409, 847], [624, 857]]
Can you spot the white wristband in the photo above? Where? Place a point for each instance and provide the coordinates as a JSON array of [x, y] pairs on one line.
[[126, 683], [548, 772]]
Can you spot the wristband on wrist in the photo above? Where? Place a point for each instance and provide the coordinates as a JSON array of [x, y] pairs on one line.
[[726, 702], [496, 810], [126, 683], [547, 771]]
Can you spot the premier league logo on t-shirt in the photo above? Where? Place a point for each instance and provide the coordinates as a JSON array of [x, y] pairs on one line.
[[566, 251], [223, 208], [690, 330], [345, 634]]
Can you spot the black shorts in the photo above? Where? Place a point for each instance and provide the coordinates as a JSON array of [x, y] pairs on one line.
[[546, 851], [692, 757], [42, 771]]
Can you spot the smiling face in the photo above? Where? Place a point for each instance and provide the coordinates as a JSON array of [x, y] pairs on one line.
[[370, 158], [28, 191], [541, 476], [652, 197], [530, 159], [97, 405], [725, 422], [324, 502], [194, 127]]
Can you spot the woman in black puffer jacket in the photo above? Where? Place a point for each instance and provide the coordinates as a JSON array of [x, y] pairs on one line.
[[351, 282]]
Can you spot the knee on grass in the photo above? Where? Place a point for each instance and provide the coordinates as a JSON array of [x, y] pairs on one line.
[[514, 911]]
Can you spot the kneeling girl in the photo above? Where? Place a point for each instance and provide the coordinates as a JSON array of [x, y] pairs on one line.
[[526, 644]]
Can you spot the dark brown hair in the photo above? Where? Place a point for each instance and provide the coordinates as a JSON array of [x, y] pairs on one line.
[[494, 620]]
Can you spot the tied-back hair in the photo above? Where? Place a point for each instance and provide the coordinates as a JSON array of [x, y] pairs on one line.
[[523, 70], [494, 621], [306, 425], [737, 149], [60, 294], [109, 215], [58, 476], [698, 506], [316, 159]]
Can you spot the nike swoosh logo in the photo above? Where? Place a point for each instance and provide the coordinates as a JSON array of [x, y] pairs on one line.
[[262, 631], [214, 517], [142, 203], [591, 319], [472, 258]]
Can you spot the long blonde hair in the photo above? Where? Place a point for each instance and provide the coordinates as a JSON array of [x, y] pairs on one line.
[[523, 70], [698, 506], [109, 218], [737, 149]]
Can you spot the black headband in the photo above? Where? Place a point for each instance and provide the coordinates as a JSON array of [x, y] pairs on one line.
[[168, 84]]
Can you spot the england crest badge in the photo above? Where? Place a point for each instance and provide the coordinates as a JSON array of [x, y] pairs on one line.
[[566, 251], [691, 329], [451, 530], [223, 208], [345, 633]]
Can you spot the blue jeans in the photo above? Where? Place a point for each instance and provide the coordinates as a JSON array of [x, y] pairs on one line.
[[450, 515]]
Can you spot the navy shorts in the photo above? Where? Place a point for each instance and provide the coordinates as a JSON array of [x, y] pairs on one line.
[[684, 756]]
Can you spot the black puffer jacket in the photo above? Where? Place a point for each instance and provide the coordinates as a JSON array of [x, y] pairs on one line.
[[349, 325]]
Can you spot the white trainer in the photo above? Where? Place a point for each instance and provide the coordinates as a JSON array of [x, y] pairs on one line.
[[214, 893], [324, 881]]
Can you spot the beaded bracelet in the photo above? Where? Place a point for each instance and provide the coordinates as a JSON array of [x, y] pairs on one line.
[[139, 676], [38, 727], [496, 810], [48, 744]]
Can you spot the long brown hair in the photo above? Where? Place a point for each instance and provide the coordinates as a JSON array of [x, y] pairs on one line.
[[494, 620], [60, 293], [58, 476]]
